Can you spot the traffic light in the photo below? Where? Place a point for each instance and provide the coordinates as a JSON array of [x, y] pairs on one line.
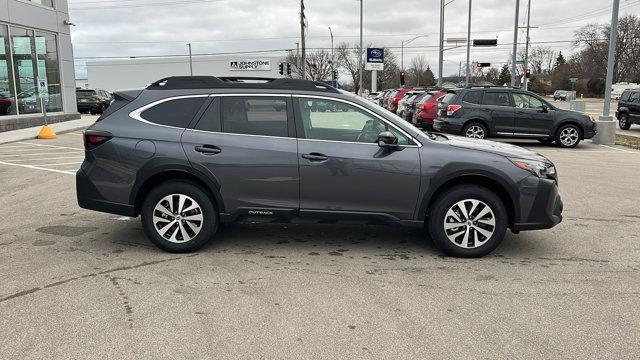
[[281, 69], [288, 69], [402, 74], [482, 65], [335, 74], [527, 73]]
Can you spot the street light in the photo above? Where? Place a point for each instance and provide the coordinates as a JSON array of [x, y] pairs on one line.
[[332, 60], [360, 54], [190, 60], [402, 49]]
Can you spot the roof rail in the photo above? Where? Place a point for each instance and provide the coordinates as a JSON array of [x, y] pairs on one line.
[[238, 82], [491, 86]]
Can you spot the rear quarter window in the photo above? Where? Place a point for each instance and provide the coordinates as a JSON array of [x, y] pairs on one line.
[[177, 112], [472, 97], [448, 98]]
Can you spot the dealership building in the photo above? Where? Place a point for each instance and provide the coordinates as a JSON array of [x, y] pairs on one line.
[[112, 75], [36, 63]]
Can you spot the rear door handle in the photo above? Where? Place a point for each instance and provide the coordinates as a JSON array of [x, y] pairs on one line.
[[314, 156], [208, 149]]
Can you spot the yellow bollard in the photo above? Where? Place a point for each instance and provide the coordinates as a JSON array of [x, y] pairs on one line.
[[46, 133]]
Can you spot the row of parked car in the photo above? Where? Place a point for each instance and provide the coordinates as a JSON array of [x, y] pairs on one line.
[[488, 111]]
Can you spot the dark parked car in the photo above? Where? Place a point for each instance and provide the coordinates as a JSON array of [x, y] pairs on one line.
[[94, 101], [505, 112], [628, 109], [188, 153], [560, 95], [410, 106]]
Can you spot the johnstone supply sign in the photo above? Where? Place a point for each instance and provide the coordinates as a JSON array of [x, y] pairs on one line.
[[250, 65], [375, 59]]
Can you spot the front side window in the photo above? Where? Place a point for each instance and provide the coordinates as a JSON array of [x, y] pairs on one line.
[[525, 101], [625, 96], [255, 115], [175, 112], [337, 121], [495, 98], [635, 97]]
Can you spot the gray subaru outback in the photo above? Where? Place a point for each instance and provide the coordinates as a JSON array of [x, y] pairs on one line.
[[190, 153]]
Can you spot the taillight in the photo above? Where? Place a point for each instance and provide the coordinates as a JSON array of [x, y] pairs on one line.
[[428, 106], [453, 108], [92, 141]]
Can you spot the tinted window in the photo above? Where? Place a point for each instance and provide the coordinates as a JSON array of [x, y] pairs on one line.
[[85, 92], [448, 98], [337, 121], [255, 115], [421, 96], [635, 97], [472, 97], [210, 120], [526, 101], [625, 96], [496, 98], [177, 112]]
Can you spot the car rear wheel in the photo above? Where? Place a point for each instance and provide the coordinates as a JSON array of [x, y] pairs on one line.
[[568, 136], [179, 216], [475, 130], [623, 122], [467, 221]]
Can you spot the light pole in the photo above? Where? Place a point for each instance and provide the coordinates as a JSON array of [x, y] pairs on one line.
[[526, 47], [402, 44], [303, 60], [515, 46], [606, 125], [468, 45], [360, 53], [190, 60], [441, 50], [332, 66]]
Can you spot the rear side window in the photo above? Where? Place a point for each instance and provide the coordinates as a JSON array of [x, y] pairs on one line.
[[255, 115], [210, 120], [625, 96], [472, 97], [176, 112], [448, 98], [635, 97], [496, 98]]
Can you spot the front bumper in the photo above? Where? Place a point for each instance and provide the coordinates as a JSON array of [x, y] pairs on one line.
[[445, 126], [540, 205], [590, 132]]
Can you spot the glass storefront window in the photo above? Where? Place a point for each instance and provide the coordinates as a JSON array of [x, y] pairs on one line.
[[24, 60], [47, 54], [7, 95]]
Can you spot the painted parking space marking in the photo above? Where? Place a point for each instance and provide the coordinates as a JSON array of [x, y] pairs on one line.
[[38, 168], [46, 157]]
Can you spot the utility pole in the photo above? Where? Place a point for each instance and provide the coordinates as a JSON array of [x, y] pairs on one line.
[[332, 59], [605, 124], [360, 54], [468, 45], [303, 61], [441, 51], [515, 46], [190, 60], [526, 47]]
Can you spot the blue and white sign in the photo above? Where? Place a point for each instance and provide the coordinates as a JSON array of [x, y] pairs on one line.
[[375, 59], [42, 85]]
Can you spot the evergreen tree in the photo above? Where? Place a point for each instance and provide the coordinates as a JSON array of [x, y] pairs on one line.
[[559, 61], [505, 75], [430, 79]]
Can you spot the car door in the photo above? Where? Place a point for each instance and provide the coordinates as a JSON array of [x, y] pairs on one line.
[[499, 105], [532, 115], [247, 144], [634, 106], [342, 168]]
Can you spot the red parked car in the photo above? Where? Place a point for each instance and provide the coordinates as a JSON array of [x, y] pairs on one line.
[[393, 106], [427, 110]]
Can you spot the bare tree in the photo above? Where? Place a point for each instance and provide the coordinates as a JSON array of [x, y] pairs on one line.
[[419, 66], [318, 65]]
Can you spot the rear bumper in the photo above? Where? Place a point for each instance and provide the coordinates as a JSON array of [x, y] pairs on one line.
[[542, 211], [90, 198]]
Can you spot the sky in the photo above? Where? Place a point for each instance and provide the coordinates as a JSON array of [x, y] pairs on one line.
[[125, 28]]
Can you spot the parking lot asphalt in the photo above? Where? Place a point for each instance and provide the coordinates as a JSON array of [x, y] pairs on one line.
[[82, 284]]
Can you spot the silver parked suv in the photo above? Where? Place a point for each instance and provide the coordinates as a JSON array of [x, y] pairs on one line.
[[189, 153]]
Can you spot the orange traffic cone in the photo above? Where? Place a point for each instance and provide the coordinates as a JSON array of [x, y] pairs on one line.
[[46, 133]]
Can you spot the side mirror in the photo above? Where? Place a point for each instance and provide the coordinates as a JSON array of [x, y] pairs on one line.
[[387, 139], [543, 109]]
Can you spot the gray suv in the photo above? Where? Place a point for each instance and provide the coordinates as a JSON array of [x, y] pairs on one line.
[[191, 153]]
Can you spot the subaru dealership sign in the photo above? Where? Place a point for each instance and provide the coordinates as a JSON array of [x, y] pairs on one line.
[[375, 59], [250, 65]]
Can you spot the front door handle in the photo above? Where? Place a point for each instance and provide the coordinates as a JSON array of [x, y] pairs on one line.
[[208, 149], [314, 156]]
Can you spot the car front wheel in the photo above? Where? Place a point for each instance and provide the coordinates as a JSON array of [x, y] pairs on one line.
[[568, 136], [623, 122], [467, 221], [179, 216]]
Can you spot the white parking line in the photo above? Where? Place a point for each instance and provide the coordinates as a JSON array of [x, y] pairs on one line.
[[53, 146], [58, 164], [623, 150], [50, 158], [36, 154], [38, 168]]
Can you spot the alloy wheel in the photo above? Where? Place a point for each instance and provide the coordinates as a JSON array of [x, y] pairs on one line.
[[569, 136], [177, 218], [469, 223], [475, 131]]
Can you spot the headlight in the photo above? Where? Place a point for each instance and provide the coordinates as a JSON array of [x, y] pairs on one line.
[[538, 168]]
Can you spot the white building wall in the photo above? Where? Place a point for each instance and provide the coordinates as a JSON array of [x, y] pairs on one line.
[[113, 75]]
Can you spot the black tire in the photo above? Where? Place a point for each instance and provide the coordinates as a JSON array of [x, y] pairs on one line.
[[101, 109], [575, 137], [441, 206], [93, 112], [208, 210], [546, 141], [623, 122], [474, 125]]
